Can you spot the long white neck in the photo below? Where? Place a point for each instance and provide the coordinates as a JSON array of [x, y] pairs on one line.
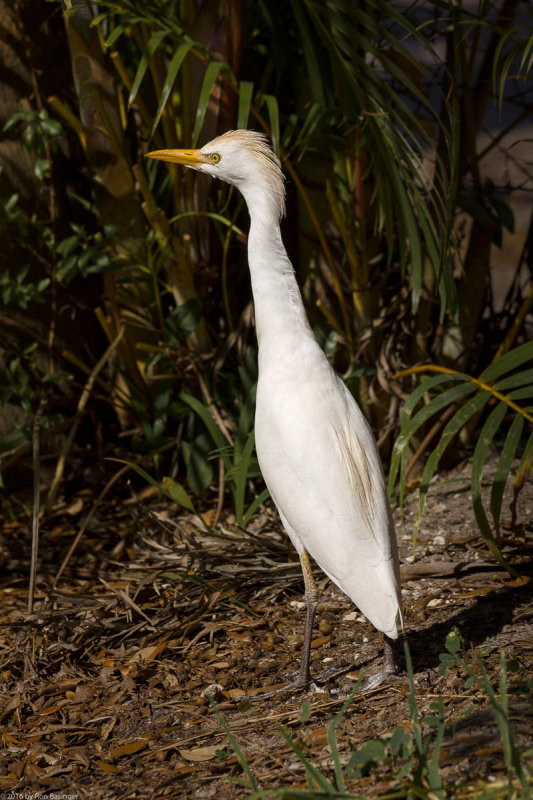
[[281, 322]]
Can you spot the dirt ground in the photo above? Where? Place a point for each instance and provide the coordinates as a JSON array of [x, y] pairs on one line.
[[102, 687]]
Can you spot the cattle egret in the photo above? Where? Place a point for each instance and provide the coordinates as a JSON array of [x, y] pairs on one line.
[[316, 451]]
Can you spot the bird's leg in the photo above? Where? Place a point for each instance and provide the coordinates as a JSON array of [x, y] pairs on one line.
[[311, 600], [390, 667]]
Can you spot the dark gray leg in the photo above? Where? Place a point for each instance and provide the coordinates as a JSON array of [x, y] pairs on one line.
[[390, 666], [311, 599]]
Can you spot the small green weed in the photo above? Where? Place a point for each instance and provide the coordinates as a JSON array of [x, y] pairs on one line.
[[409, 758], [213, 431], [512, 754]]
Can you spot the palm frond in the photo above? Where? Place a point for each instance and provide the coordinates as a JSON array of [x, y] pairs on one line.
[[497, 393]]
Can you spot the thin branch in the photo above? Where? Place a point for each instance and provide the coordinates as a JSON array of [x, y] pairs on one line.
[[36, 502], [81, 406], [86, 522]]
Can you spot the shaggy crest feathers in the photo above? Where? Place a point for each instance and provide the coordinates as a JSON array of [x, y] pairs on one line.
[[257, 146]]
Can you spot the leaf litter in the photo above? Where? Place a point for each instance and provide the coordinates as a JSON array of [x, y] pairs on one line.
[[104, 688]]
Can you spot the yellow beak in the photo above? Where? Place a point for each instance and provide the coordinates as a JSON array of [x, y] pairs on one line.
[[190, 158]]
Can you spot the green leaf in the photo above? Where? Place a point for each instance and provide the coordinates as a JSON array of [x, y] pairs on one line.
[[434, 779], [425, 386], [219, 440], [524, 468], [199, 470], [400, 452], [184, 319], [521, 378], [512, 360], [246, 89], [458, 421], [370, 754], [210, 215], [484, 441], [437, 403], [524, 393], [453, 642], [173, 69], [313, 119], [211, 74], [140, 471], [411, 700], [234, 744], [144, 62], [445, 662], [307, 40], [252, 508], [242, 477], [116, 33], [512, 440], [41, 168], [273, 116], [401, 742], [411, 423], [332, 732], [51, 127], [312, 773], [305, 711], [177, 493]]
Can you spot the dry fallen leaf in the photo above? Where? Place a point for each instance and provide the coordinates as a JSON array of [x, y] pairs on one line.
[[475, 592], [129, 748], [317, 736], [320, 641], [234, 693], [107, 727], [209, 516], [146, 654], [52, 709], [75, 507], [107, 768], [201, 753]]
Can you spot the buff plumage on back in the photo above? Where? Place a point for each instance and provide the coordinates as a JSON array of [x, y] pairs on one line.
[[267, 163]]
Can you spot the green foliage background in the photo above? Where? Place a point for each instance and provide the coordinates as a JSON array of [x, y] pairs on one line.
[[376, 114]]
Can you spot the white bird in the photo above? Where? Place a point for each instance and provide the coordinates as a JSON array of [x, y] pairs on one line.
[[316, 451]]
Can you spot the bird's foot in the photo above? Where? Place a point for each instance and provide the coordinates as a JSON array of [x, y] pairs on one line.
[[331, 673], [385, 676], [297, 683], [370, 683], [389, 672], [300, 682]]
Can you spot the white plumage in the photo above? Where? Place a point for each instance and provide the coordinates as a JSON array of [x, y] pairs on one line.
[[317, 453]]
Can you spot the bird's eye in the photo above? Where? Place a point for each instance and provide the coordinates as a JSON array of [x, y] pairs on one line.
[[215, 158]]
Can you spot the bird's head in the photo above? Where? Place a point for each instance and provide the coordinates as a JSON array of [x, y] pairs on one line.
[[243, 158]]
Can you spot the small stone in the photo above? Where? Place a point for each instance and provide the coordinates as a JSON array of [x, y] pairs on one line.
[[297, 604], [350, 617], [215, 690]]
